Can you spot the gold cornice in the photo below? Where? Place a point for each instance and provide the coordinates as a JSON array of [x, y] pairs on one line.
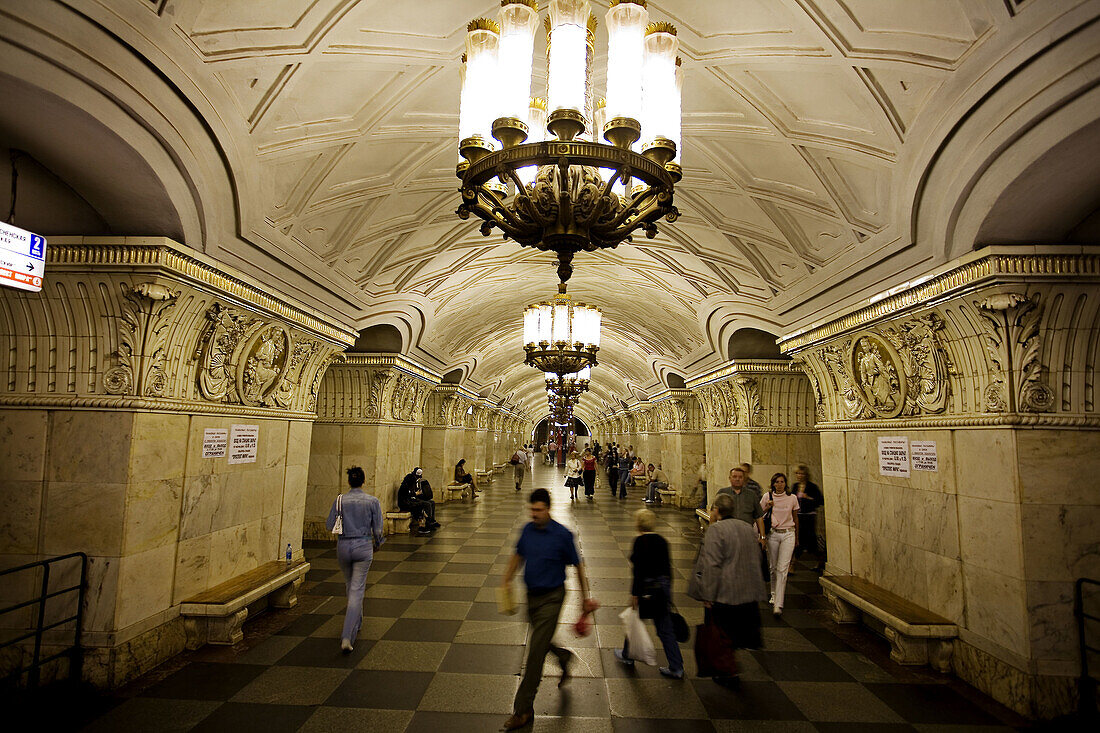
[[392, 361], [1017, 419], [149, 404], [778, 367], [163, 254], [1005, 264]]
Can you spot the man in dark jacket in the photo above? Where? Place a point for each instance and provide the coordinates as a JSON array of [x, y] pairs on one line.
[[415, 497]]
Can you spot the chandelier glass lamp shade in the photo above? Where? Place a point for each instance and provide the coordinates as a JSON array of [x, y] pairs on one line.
[[569, 385], [561, 337], [544, 172]]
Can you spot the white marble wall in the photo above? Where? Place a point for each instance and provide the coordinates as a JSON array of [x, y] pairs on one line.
[[768, 453], [158, 521], [993, 540], [385, 453]]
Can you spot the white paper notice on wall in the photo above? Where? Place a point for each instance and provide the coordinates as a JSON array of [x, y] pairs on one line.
[[214, 441], [923, 455], [893, 456], [244, 441]]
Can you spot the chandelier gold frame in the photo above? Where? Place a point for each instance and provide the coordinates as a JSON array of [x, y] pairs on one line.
[[568, 208]]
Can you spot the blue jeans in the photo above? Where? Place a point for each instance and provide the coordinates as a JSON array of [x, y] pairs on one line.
[[624, 480], [665, 633], [354, 557], [651, 491]]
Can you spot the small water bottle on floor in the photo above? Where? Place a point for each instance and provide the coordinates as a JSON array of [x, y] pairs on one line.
[[289, 554]]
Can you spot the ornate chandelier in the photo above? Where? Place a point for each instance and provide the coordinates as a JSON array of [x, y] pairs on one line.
[[564, 190], [569, 385], [561, 337]]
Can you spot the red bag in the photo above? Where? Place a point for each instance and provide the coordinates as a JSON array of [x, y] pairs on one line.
[[714, 652], [583, 626]]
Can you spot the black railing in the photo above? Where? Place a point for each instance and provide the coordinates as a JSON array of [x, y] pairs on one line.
[[1086, 683], [74, 652]]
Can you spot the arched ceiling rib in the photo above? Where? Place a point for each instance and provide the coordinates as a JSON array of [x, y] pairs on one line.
[[807, 128]]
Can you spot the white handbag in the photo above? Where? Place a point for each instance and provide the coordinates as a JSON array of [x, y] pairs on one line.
[[338, 525]]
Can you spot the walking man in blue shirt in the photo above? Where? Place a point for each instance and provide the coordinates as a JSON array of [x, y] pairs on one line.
[[545, 547]]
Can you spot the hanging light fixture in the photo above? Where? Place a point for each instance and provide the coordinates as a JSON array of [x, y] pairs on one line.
[[560, 336], [571, 385], [570, 193]]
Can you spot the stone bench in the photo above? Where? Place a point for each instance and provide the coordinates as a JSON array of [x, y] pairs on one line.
[[215, 616], [452, 492], [499, 468], [670, 496], [916, 635], [486, 476], [391, 522]]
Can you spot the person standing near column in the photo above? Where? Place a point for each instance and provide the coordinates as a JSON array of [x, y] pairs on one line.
[[362, 534], [809, 499], [781, 539], [545, 547]]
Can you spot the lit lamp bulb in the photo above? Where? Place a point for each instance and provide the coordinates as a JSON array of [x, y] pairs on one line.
[[567, 84], [518, 21], [660, 95], [477, 104], [626, 23]]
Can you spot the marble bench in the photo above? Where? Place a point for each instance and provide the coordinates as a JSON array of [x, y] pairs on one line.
[[391, 522], [457, 491], [669, 496], [215, 616], [916, 635], [486, 476]]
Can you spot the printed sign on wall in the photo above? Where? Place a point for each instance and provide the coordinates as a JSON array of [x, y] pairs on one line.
[[893, 456], [244, 441], [923, 455], [22, 258], [214, 441]]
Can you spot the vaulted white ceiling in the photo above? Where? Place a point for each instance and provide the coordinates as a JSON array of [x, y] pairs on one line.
[[808, 127]]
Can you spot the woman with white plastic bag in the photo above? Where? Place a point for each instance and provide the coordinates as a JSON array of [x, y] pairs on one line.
[[650, 597]]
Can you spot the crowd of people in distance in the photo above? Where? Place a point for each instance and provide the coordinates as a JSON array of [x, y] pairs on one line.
[[745, 557]]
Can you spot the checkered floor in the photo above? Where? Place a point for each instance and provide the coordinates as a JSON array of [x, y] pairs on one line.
[[434, 654]]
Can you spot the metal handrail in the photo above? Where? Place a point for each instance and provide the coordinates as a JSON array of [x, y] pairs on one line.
[[74, 652], [1086, 683]]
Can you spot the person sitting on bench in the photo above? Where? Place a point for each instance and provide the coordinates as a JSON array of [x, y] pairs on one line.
[[658, 481], [415, 497], [462, 476]]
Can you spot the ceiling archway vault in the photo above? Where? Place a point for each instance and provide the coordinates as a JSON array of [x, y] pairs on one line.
[[312, 144]]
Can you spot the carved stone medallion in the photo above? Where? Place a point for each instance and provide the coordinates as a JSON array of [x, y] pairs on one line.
[[264, 362], [878, 374]]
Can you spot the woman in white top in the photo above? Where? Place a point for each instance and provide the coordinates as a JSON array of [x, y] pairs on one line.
[[573, 474], [782, 537]]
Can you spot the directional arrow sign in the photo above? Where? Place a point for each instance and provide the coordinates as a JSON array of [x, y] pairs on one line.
[[22, 258]]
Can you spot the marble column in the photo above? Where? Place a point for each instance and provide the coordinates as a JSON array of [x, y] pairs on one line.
[[759, 412], [126, 377], [679, 421], [981, 377], [370, 414]]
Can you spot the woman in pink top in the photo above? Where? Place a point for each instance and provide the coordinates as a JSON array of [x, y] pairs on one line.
[[782, 507]]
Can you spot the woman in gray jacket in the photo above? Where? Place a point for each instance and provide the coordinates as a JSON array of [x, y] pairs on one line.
[[727, 578]]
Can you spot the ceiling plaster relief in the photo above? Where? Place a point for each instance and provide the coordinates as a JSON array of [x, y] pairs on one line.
[[807, 125]]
